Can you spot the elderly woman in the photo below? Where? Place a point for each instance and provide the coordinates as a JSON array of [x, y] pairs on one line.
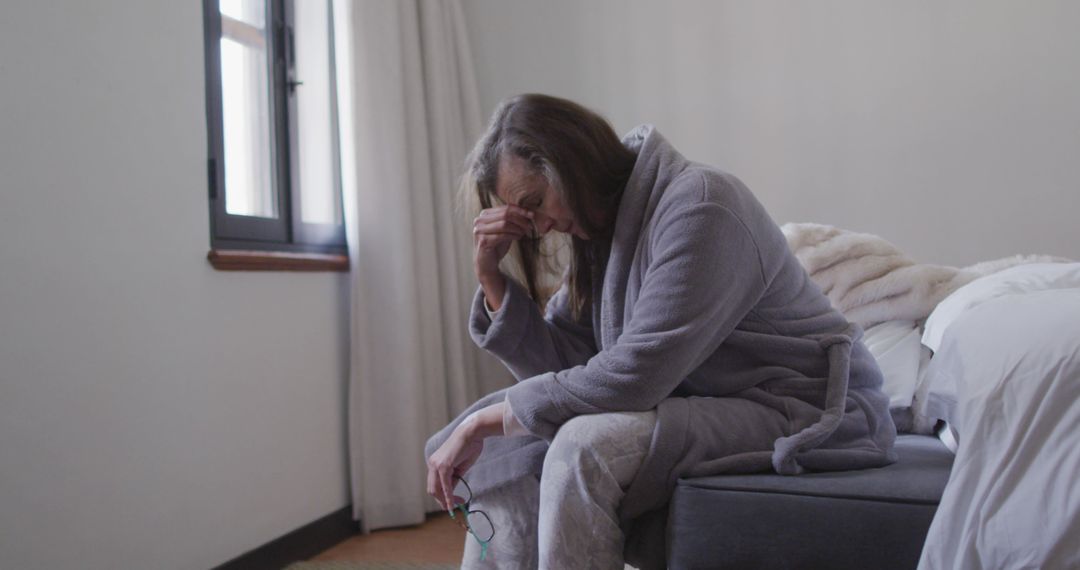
[[685, 340]]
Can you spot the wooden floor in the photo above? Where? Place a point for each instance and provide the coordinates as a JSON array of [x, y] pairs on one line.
[[439, 540]]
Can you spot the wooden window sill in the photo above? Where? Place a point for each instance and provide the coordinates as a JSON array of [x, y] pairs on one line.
[[242, 260]]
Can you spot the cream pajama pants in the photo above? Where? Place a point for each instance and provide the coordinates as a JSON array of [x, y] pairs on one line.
[[566, 519]]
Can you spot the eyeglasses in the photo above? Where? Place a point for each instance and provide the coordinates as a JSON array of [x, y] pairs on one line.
[[476, 522]]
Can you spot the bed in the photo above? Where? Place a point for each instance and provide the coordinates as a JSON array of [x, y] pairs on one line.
[[982, 367]]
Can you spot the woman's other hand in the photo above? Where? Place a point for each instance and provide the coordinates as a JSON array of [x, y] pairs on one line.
[[460, 451], [494, 231], [449, 462]]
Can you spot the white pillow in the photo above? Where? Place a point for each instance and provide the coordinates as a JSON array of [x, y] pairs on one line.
[[1015, 280], [895, 346]]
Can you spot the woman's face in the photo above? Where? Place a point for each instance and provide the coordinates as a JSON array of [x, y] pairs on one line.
[[516, 184]]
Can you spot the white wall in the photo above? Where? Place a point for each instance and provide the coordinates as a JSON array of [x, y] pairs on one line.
[[949, 128], [154, 413]]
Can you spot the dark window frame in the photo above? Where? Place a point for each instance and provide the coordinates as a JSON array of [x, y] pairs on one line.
[[287, 232]]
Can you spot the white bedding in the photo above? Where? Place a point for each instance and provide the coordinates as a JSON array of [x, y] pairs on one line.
[[1012, 366], [1026, 278], [895, 345]]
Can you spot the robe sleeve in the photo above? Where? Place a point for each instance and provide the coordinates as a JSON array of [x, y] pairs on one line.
[[705, 277], [527, 342]]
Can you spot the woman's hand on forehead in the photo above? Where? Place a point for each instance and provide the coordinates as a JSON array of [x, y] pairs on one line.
[[508, 219], [494, 231]]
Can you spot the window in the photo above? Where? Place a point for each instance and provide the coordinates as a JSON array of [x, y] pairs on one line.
[[274, 165]]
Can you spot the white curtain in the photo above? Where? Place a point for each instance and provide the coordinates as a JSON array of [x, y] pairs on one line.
[[409, 113]]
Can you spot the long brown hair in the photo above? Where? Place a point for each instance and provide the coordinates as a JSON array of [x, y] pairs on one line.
[[582, 158]]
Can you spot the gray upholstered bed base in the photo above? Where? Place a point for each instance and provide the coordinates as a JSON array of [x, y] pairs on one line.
[[873, 518]]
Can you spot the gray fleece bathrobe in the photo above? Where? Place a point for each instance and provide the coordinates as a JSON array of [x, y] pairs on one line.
[[698, 299]]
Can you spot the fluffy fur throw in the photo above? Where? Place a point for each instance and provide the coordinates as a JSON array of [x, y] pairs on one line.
[[871, 281]]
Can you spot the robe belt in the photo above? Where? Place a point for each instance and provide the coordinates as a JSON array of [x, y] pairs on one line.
[[837, 348]]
